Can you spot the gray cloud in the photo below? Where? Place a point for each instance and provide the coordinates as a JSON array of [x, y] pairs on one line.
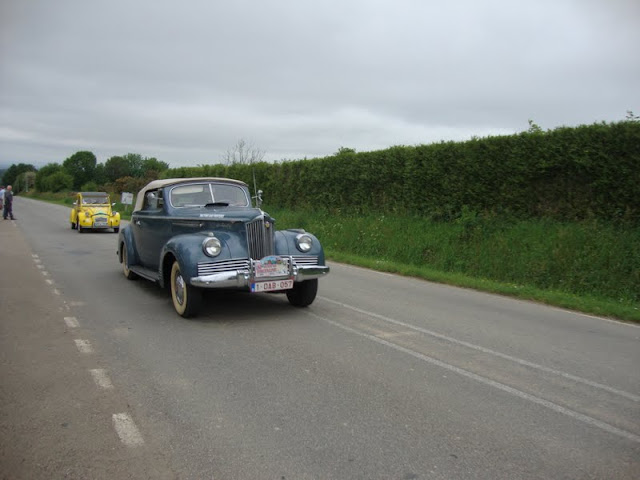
[[184, 80]]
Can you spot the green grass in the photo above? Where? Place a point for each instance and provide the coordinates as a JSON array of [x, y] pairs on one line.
[[587, 266]]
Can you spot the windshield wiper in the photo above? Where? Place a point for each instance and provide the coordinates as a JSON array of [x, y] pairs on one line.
[[217, 204]]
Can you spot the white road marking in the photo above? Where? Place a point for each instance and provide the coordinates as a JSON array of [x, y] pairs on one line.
[[504, 356], [127, 430], [71, 322], [84, 346], [492, 383], [101, 378], [49, 281]]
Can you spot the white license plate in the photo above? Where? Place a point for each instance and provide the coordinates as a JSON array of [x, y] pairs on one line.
[[271, 286]]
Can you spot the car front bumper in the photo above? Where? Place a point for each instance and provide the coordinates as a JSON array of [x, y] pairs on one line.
[[241, 278]]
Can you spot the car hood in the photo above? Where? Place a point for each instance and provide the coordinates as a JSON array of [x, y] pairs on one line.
[[230, 214], [96, 210]]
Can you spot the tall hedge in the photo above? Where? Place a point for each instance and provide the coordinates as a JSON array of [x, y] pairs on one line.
[[569, 173]]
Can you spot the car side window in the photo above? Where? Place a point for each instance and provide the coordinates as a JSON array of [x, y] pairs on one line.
[[151, 200]]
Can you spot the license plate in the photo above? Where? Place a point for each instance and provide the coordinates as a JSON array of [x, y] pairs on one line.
[[271, 286]]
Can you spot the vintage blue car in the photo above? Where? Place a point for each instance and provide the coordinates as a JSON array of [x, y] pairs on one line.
[[189, 234]]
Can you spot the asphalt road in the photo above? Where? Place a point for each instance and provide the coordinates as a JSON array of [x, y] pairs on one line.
[[383, 377]]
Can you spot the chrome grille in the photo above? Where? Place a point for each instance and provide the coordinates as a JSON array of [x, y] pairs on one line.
[[305, 259], [260, 238], [209, 268]]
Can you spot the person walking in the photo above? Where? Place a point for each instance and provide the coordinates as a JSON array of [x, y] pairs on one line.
[[8, 203], [1, 197]]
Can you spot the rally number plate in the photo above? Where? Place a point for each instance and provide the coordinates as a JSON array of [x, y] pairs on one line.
[[272, 266]]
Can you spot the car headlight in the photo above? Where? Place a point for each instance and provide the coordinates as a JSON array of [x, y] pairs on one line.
[[211, 246], [304, 242]]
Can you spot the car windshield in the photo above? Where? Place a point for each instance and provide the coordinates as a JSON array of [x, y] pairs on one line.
[[98, 200], [201, 194]]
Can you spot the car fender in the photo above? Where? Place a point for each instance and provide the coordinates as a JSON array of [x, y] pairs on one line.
[[187, 250], [126, 238], [285, 244]]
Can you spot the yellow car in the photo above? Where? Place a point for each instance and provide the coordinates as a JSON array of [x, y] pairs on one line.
[[92, 211]]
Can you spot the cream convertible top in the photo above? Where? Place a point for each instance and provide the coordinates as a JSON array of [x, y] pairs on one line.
[[170, 181]]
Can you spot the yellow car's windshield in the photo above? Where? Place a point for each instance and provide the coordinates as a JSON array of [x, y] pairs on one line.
[[102, 200]]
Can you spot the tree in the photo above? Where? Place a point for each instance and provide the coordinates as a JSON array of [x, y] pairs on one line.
[[58, 182], [345, 151], [243, 154], [117, 167], [533, 127], [12, 173], [44, 173], [631, 117], [99, 176], [81, 166], [133, 165], [152, 167], [24, 182]]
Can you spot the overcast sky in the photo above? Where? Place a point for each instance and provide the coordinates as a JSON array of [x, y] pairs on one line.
[[184, 80]]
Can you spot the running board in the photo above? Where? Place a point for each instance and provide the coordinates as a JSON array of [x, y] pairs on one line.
[[147, 273]]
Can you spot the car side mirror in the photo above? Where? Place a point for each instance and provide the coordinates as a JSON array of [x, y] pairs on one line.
[[258, 199]]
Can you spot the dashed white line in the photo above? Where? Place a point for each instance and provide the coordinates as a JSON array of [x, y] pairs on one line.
[[84, 346], [72, 322], [127, 430], [101, 378]]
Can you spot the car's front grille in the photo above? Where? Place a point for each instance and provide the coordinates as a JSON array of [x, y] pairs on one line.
[[209, 268], [260, 238], [305, 259]]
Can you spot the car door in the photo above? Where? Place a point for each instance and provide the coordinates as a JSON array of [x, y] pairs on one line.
[[151, 229]]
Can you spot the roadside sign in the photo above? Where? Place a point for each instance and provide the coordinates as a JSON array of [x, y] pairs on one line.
[[127, 198]]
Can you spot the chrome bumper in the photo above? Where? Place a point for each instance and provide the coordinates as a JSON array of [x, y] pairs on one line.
[[243, 278]]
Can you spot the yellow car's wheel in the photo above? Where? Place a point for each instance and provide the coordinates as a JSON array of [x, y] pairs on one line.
[[186, 299]]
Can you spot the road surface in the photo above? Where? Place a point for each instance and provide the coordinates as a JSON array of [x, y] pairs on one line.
[[382, 377]]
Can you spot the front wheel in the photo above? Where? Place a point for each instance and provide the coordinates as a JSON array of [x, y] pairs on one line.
[[303, 293], [186, 298]]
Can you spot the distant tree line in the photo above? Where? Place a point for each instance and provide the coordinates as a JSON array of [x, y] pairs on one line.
[[82, 172], [569, 173]]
